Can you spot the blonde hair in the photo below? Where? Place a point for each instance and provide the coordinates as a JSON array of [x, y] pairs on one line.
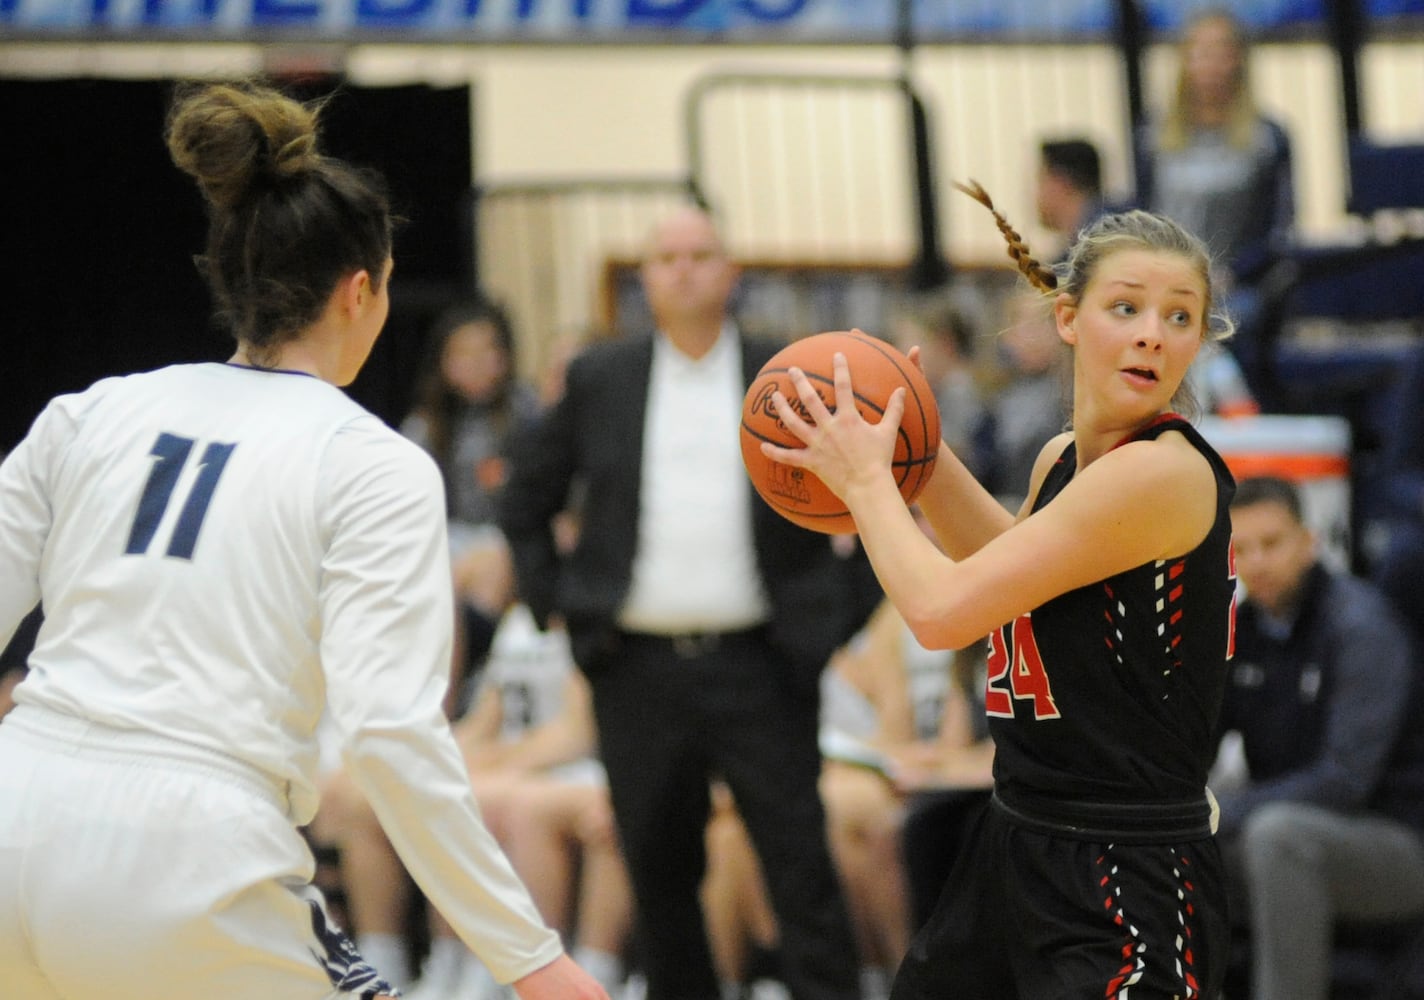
[[1243, 115], [1109, 234]]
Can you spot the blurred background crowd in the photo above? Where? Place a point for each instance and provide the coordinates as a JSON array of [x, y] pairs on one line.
[[532, 155]]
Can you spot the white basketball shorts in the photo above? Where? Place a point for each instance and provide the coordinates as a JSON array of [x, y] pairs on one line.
[[135, 868]]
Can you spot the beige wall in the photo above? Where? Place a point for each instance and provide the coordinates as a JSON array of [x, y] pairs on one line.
[[803, 174]]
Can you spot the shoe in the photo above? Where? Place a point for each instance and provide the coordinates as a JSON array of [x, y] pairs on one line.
[[476, 982], [874, 983], [436, 983], [429, 988], [635, 988], [768, 989]]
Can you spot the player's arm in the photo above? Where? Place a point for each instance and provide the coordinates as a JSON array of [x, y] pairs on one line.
[[387, 623], [1141, 502], [25, 512]]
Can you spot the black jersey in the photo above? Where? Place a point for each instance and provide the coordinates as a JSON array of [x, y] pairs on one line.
[[1103, 702]]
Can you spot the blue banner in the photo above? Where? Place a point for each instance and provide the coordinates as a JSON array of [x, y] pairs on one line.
[[774, 21]]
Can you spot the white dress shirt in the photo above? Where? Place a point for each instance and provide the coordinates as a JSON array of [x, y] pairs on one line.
[[695, 567]]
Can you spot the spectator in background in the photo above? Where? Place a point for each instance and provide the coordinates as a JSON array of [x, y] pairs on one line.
[[1029, 405], [531, 747], [528, 743], [1068, 190], [1069, 194], [1219, 384], [1324, 693], [1400, 569], [882, 698], [377, 887], [701, 617], [468, 401], [1220, 167], [945, 337], [944, 783], [741, 927]]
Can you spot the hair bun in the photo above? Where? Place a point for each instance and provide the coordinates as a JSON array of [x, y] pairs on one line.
[[232, 137]]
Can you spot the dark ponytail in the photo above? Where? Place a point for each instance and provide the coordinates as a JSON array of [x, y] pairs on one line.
[[285, 223]]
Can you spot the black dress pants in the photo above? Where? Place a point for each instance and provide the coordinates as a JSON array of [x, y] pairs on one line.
[[673, 713]]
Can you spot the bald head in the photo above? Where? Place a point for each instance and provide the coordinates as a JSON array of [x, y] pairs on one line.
[[688, 278]]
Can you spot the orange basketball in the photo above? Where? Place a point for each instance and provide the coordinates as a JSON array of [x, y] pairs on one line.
[[876, 370]]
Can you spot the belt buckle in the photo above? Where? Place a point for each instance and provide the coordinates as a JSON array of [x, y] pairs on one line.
[[691, 645]]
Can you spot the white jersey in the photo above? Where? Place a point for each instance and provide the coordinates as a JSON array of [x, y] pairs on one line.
[[530, 671], [224, 551]]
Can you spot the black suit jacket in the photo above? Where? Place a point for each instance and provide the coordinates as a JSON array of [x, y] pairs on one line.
[[592, 441]]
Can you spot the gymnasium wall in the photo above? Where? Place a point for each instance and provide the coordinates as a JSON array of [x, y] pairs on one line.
[[797, 174]]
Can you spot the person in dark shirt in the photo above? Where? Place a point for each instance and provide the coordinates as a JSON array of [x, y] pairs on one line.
[[1324, 695], [1400, 495], [1221, 167], [701, 617], [1092, 870], [1068, 189]]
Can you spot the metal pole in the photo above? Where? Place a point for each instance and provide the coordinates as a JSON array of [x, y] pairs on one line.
[[930, 269], [1131, 40], [1347, 32]]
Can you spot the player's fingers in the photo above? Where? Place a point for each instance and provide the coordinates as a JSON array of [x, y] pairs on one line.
[[894, 408], [786, 456], [813, 406], [789, 415], [840, 376], [914, 355]]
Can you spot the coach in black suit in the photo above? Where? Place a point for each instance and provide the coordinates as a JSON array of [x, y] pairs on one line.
[[701, 617]]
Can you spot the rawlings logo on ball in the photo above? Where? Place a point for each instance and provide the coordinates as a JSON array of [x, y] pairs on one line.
[[763, 406], [877, 369]]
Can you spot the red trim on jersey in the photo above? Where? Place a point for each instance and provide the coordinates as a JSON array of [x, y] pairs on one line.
[[1161, 418]]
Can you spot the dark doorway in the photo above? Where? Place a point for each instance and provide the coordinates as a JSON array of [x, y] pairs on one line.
[[98, 231]]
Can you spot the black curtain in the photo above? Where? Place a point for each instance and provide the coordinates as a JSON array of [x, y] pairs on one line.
[[98, 230]]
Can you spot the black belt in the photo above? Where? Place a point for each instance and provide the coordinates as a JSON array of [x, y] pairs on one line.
[[1116, 822], [694, 645]]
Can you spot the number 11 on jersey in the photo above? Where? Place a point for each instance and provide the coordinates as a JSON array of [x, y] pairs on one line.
[[171, 454]]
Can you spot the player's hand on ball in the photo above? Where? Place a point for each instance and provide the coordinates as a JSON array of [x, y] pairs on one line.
[[792, 487], [842, 448]]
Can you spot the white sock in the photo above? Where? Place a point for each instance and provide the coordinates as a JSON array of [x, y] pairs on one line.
[[604, 966], [443, 964], [386, 953], [874, 982], [476, 982]]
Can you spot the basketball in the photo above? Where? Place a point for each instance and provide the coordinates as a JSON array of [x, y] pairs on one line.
[[877, 369]]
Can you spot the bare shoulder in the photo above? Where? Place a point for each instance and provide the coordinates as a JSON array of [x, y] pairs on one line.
[[1171, 456], [1050, 453], [1169, 482]]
